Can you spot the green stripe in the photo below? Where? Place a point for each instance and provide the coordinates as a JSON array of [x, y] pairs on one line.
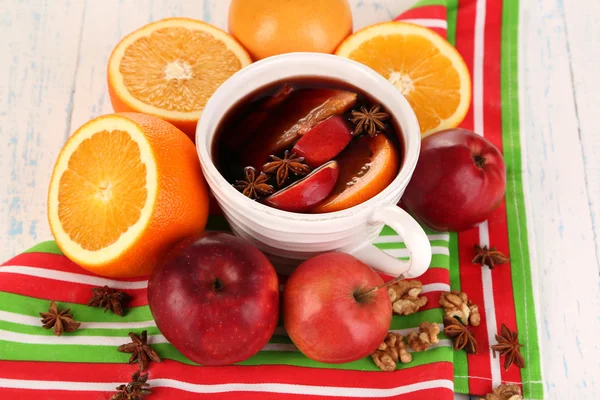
[[31, 306], [45, 247], [402, 245], [109, 354], [413, 320], [451, 13], [515, 204], [387, 231], [461, 368], [424, 3]]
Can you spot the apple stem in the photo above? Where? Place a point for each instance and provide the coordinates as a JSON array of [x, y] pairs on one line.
[[383, 285]]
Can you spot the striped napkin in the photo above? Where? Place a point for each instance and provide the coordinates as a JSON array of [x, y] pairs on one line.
[[486, 34], [34, 364]]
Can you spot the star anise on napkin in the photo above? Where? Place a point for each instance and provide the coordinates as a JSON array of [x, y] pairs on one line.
[[282, 167], [110, 299], [254, 186], [134, 390], [369, 121], [509, 346], [489, 257], [463, 338], [141, 352], [59, 321]]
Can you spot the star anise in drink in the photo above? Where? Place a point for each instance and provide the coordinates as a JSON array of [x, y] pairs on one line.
[[509, 346], [110, 299], [134, 390], [489, 257], [59, 321], [282, 167], [254, 185], [141, 352], [369, 121], [462, 336]]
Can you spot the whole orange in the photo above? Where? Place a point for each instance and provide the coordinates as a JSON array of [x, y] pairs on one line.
[[267, 28], [125, 188]]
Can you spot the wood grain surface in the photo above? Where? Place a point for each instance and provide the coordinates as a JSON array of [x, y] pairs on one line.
[[52, 79]]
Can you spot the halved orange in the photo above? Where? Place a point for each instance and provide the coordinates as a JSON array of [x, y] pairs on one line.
[[170, 68], [422, 65], [125, 187], [366, 167]]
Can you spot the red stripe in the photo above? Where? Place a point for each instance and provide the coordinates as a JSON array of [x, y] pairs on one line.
[[52, 289], [57, 262], [97, 372], [427, 12], [43, 288], [175, 394], [438, 394], [80, 372], [498, 229]]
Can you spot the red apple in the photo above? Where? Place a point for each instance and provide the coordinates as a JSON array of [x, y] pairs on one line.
[[324, 314], [323, 142], [308, 191], [459, 180], [215, 298]]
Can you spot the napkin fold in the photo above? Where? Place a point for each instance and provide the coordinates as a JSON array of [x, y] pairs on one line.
[[86, 364]]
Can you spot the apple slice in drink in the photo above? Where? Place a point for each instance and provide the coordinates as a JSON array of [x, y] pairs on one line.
[[304, 109], [367, 166], [308, 191], [324, 141]]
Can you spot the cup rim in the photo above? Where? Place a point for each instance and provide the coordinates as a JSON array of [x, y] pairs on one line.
[[222, 100]]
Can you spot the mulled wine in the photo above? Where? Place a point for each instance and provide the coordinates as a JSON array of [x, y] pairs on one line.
[[309, 145]]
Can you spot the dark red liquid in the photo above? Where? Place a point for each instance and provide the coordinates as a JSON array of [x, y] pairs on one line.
[[267, 116]]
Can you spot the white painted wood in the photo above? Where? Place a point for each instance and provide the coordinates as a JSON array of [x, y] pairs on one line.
[[582, 25], [38, 59], [52, 79], [567, 271]]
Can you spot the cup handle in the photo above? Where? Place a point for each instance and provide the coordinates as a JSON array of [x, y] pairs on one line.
[[417, 244]]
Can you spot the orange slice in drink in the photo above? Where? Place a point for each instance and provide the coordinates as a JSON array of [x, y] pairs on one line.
[[366, 167], [170, 68], [421, 64], [124, 189]]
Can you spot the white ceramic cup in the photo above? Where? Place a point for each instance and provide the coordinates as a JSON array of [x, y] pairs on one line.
[[288, 238]]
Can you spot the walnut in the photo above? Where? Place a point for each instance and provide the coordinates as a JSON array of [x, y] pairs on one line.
[[505, 392], [425, 336], [457, 305], [390, 351], [405, 297]]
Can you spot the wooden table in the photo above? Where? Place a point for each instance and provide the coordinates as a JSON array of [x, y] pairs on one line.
[[53, 79]]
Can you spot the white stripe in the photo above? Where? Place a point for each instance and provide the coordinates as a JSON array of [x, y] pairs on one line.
[[72, 277], [106, 340], [436, 287], [478, 124], [282, 388], [478, 58], [35, 321], [428, 22], [398, 239], [73, 340], [404, 252], [490, 307]]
